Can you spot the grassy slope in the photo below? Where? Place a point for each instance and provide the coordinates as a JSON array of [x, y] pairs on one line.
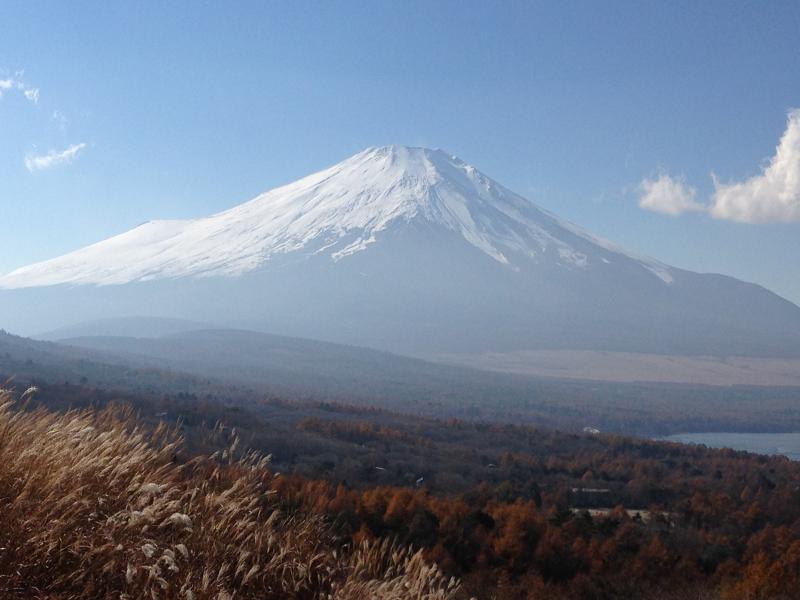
[[92, 507]]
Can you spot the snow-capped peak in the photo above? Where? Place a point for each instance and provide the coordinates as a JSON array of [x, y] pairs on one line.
[[339, 211]]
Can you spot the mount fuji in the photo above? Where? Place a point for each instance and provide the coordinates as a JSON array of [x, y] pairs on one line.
[[410, 250]]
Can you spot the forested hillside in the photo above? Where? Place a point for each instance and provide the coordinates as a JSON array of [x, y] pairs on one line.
[[512, 512]]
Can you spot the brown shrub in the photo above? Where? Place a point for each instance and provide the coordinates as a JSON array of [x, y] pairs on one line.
[[92, 506]]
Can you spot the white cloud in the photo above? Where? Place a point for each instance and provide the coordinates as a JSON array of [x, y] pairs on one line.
[[668, 196], [15, 84], [8, 84], [774, 195], [33, 161], [38, 162], [32, 94]]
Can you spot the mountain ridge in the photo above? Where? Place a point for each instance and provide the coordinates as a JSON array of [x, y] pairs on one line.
[[407, 250], [338, 211]]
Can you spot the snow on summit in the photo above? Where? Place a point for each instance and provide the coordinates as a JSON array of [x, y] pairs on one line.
[[337, 212]]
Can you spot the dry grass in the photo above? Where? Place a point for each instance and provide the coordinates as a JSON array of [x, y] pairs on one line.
[[91, 506]]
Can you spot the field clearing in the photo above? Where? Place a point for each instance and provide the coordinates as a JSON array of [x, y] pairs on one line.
[[632, 367]]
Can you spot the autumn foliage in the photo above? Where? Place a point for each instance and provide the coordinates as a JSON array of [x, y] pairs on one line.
[[93, 504]]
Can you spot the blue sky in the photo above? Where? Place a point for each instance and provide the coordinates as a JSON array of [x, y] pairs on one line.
[[113, 114]]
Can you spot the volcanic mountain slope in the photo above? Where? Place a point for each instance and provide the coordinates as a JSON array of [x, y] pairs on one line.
[[337, 212], [406, 249]]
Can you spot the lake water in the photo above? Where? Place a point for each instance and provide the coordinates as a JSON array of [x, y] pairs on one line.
[[787, 444]]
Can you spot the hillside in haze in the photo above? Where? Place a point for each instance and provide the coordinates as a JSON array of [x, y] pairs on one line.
[[408, 250], [244, 369]]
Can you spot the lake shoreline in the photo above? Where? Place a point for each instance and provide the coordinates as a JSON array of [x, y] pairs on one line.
[[770, 444]]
